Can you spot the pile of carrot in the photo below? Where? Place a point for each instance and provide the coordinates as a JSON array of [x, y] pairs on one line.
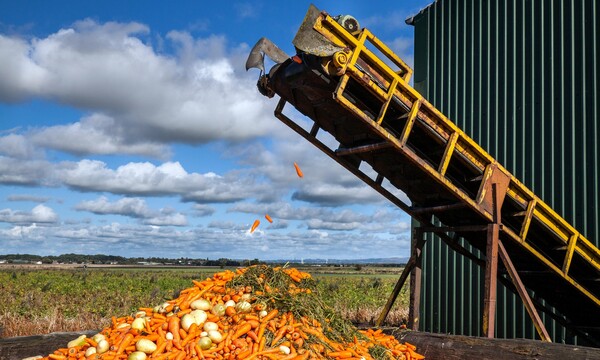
[[246, 322]]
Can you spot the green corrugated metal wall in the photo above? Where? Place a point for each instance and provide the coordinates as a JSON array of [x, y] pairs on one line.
[[522, 78]]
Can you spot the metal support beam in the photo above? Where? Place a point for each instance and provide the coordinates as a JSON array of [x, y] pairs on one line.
[[415, 281], [413, 263], [491, 276], [516, 279], [491, 266]]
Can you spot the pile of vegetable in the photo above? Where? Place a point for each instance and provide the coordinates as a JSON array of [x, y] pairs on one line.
[[258, 312]]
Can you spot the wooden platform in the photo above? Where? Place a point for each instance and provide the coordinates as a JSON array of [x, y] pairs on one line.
[[433, 346]]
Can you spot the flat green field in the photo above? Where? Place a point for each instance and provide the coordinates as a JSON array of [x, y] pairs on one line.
[[39, 300]]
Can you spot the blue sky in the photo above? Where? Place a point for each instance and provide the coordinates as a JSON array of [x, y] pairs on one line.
[[132, 128]]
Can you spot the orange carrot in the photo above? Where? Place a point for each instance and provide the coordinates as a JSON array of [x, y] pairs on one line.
[[268, 218], [125, 343], [340, 354], [298, 171], [242, 330], [255, 225], [270, 316]]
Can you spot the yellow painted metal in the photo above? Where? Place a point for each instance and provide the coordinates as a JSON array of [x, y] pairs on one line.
[[569, 256], [448, 154], [412, 115], [382, 81], [527, 220]]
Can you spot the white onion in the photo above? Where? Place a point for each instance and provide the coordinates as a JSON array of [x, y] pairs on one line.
[[145, 345], [199, 316], [209, 326], [139, 323], [229, 303], [137, 355], [215, 336], [186, 321], [90, 351], [205, 343], [102, 346], [243, 307], [200, 304]]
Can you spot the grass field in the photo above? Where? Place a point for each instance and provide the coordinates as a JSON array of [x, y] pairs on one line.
[[43, 300]]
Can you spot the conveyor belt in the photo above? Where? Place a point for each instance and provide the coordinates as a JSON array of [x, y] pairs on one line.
[[361, 96]]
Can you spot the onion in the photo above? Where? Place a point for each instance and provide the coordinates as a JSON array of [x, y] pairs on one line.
[[200, 304], [145, 345], [284, 349], [209, 326], [263, 313], [243, 307], [77, 342], [102, 346], [203, 334], [169, 336], [218, 309], [186, 321], [199, 316], [205, 343], [229, 303], [215, 336], [90, 351], [98, 337], [137, 355], [138, 324]]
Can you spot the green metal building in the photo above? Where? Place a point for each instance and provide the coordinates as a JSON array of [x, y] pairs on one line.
[[522, 78]]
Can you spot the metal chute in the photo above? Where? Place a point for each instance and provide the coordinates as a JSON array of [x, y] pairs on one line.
[[263, 47]]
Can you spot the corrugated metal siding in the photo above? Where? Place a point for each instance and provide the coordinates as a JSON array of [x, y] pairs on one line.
[[522, 78]]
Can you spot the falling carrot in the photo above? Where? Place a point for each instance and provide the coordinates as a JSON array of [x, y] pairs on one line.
[[254, 226], [298, 171], [268, 218]]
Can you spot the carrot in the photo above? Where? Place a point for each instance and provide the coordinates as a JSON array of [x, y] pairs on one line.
[[160, 348], [269, 219], [173, 326], [340, 354], [298, 171], [279, 335], [242, 330], [125, 343], [270, 316], [255, 225]]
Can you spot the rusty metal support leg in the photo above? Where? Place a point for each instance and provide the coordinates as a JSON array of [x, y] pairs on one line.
[[516, 279], [415, 281], [491, 276], [491, 269], [410, 265]]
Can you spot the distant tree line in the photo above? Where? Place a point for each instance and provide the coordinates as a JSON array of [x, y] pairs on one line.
[[113, 259]]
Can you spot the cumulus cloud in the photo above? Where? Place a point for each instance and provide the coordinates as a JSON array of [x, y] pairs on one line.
[[134, 93], [39, 214], [202, 210], [27, 197], [135, 208], [96, 134], [15, 171]]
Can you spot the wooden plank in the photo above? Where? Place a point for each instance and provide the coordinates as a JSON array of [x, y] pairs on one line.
[[17, 348], [455, 347]]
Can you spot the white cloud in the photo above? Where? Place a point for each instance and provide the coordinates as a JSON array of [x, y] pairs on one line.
[[96, 134], [27, 197], [18, 147], [135, 208], [28, 173], [109, 70], [39, 214]]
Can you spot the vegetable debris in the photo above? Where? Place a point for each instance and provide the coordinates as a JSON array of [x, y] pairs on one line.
[[255, 313]]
